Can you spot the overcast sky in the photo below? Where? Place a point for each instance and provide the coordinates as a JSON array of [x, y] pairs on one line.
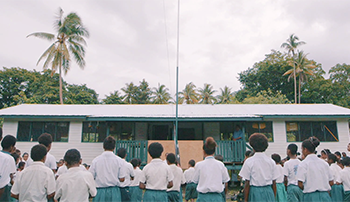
[[218, 38]]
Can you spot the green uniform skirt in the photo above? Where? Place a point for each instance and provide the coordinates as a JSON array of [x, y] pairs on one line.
[[209, 197], [346, 196], [264, 193], [337, 193], [107, 194], [174, 196], [191, 191], [317, 196], [155, 195], [281, 195], [135, 194], [294, 193]]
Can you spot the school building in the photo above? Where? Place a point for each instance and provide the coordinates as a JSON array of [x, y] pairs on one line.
[[84, 127]]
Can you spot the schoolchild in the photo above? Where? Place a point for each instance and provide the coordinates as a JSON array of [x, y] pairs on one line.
[[337, 191], [191, 192], [7, 166], [224, 185], [345, 178], [134, 189], [281, 194], [50, 162], [174, 194], [124, 186]]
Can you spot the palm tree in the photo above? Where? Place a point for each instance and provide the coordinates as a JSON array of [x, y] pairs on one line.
[[291, 46], [226, 96], [207, 94], [130, 91], [302, 67], [69, 41], [161, 95], [189, 94]]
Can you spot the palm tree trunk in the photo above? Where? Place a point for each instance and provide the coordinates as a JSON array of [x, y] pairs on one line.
[[295, 86], [299, 88], [60, 75]]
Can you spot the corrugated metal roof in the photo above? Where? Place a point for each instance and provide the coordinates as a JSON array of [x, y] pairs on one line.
[[185, 111]]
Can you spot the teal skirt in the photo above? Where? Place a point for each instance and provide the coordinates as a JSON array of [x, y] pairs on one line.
[[107, 194], [174, 196], [294, 193], [135, 194], [261, 194], [318, 196], [337, 193], [281, 195], [209, 197], [346, 196], [155, 195], [191, 191]]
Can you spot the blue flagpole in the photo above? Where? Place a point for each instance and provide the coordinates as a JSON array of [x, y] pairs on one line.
[[177, 152]]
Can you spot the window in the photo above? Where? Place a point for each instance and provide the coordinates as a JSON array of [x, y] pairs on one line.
[[30, 131], [298, 131], [94, 131], [259, 127]]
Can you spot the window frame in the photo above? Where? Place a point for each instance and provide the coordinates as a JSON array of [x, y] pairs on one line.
[[312, 128], [30, 135], [247, 135]]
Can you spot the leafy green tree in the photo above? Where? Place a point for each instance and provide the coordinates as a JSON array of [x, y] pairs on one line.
[[68, 42], [266, 97], [114, 98], [206, 94], [291, 46], [143, 93], [130, 91], [80, 94], [189, 94], [161, 95], [226, 96]]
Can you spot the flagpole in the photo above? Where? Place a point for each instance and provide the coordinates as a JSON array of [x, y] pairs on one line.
[[177, 152]]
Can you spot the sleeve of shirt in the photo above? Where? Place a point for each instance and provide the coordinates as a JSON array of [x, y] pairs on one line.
[[143, 176], [12, 166], [132, 173], [91, 185], [183, 180], [275, 172], [170, 176], [92, 169], [301, 173], [58, 192], [123, 170], [245, 171], [50, 184], [329, 173], [15, 188], [53, 164], [341, 177], [196, 175], [285, 170], [225, 175]]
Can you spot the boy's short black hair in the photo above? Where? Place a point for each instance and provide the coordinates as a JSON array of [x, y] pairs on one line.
[[293, 148], [21, 164], [337, 153], [219, 158], [171, 158], [276, 158], [192, 163], [38, 152], [109, 143], [140, 162], [72, 157], [247, 153], [346, 161], [259, 142], [332, 157], [15, 156], [155, 150], [134, 162], [311, 144], [121, 152], [45, 139], [8, 141]]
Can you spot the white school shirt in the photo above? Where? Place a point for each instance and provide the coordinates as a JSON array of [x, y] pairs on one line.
[[335, 170], [75, 185], [137, 178], [279, 172], [107, 169], [34, 183], [63, 169], [290, 170], [345, 178], [315, 174], [156, 175], [129, 173], [259, 169], [188, 174], [7, 166], [210, 174], [179, 178]]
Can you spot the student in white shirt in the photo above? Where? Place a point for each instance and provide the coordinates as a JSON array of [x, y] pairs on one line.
[[124, 186], [210, 174], [134, 189], [224, 185], [345, 178], [37, 182], [281, 194], [156, 176], [174, 194], [25, 159], [46, 139], [63, 169], [75, 184], [191, 187], [337, 191], [294, 193], [314, 175], [259, 172], [7, 166], [108, 172]]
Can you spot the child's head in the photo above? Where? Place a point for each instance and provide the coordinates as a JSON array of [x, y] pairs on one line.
[[25, 156], [155, 150], [21, 165], [332, 158], [45, 139], [309, 145], [292, 150], [72, 158], [343, 154], [134, 162], [109, 143], [219, 158], [16, 157], [259, 142], [38, 153], [346, 161], [121, 153], [209, 146], [140, 162], [191, 163], [171, 159], [8, 143], [247, 153], [337, 154], [276, 158]]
